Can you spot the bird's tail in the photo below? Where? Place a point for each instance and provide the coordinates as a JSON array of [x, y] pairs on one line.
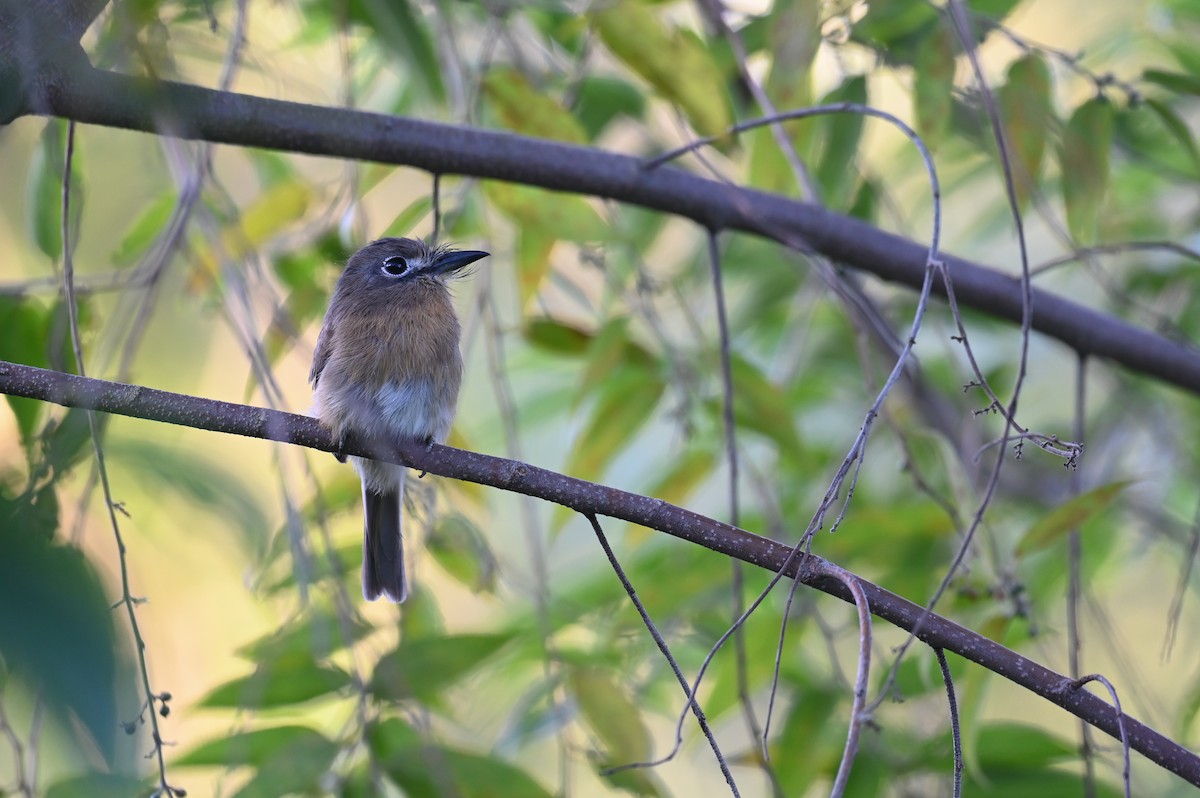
[[383, 545]]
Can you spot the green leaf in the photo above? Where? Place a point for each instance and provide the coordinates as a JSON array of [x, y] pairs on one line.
[[610, 713], [933, 87], [896, 28], [1177, 126], [527, 110], [463, 552], [145, 229], [759, 405], [254, 748], [1019, 746], [600, 99], [316, 634], [44, 194], [1026, 112], [427, 770], [401, 29], [283, 682], [550, 213], [1174, 81], [672, 60], [423, 668], [100, 785], [685, 474], [555, 337], [268, 216], [627, 401], [299, 765], [533, 261], [1087, 141], [404, 222], [58, 635], [26, 324], [1072, 514], [204, 483], [840, 136]]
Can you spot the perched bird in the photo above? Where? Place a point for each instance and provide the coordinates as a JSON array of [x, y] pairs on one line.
[[387, 367]]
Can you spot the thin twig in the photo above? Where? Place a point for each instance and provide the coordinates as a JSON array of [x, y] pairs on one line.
[[77, 348], [955, 728], [1121, 726], [661, 642]]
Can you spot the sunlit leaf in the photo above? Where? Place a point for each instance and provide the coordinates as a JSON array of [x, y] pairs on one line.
[[839, 137], [422, 668], [1056, 524], [611, 714], [424, 769], [203, 482], [533, 261], [626, 403], [404, 222], [254, 747], [1087, 141], [1026, 110], [316, 634], [99, 785], [933, 86], [145, 229], [527, 110], [553, 214], [672, 60], [283, 682], [268, 216]]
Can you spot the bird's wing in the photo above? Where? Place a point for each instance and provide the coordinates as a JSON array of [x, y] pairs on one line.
[[324, 350]]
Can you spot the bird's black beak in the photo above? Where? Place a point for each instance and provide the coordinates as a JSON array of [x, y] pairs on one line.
[[450, 262]]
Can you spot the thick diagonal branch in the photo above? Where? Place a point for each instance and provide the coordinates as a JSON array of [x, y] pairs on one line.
[[592, 499]]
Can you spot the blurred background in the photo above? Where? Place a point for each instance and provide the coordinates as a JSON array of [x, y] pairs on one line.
[[518, 666]]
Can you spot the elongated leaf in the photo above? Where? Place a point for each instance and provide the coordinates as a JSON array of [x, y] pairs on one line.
[[99, 785], [602, 99], [145, 228], [424, 667], [268, 216], [253, 747], [284, 682], [1175, 81], [423, 769], [627, 402], [1070, 515], [1177, 127], [44, 194], [673, 61], [933, 87], [840, 136], [1026, 111], [1085, 148], [549, 213], [611, 714], [527, 110]]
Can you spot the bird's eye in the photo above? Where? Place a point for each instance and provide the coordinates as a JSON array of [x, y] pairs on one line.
[[395, 266]]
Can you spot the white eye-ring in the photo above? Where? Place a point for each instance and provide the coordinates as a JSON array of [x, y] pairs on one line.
[[395, 266]]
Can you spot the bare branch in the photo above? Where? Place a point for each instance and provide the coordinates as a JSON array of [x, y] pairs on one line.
[[589, 498]]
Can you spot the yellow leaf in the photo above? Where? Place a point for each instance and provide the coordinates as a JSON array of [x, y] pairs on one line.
[[673, 61], [527, 110]]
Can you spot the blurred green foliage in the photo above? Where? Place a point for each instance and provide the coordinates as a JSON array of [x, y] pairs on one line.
[[613, 360]]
